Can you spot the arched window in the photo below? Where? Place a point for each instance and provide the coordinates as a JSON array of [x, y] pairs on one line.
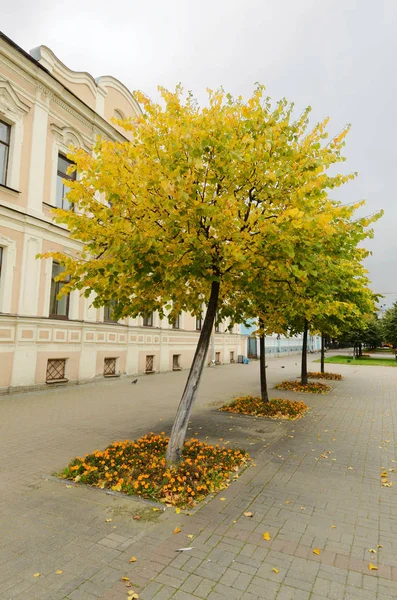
[[119, 115]]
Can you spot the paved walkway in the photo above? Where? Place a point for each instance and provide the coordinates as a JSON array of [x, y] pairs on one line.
[[314, 483]]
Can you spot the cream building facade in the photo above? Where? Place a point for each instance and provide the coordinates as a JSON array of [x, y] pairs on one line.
[[45, 107]]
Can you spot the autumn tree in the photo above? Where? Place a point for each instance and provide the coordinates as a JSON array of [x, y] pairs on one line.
[[194, 209]]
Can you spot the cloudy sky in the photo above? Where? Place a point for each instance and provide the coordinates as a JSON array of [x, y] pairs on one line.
[[339, 56]]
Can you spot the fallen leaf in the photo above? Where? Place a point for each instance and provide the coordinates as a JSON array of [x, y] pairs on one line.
[[59, 572], [379, 546], [136, 517], [184, 549], [223, 499], [303, 508], [190, 536], [68, 486], [155, 509], [108, 520], [133, 559], [350, 468], [372, 550], [316, 551], [37, 575], [372, 567], [177, 510], [248, 514], [177, 530], [266, 536], [275, 570], [125, 579], [288, 502], [333, 526]]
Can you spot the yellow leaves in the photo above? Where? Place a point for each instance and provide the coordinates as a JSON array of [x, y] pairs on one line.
[[108, 520], [316, 551], [190, 536], [248, 514], [125, 579], [372, 550], [156, 509], [36, 574], [275, 570], [177, 530], [372, 567], [384, 477], [222, 499], [133, 559], [333, 526], [133, 595], [177, 510], [266, 536], [59, 572], [68, 487]]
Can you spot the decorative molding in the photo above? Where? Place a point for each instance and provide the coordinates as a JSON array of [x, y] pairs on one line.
[[67, 136], [10, 104]]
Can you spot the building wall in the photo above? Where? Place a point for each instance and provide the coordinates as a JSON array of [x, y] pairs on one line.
[[50, 107]]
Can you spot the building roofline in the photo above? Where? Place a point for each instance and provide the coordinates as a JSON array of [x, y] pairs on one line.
[[30, 58]]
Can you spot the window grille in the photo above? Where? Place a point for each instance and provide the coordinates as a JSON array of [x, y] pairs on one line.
[[149, 363], [109, 367], [56, 369]]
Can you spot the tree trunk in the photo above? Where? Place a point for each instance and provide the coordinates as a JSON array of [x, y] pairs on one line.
[[360, 350], [322, 352], [179, 428], [304, 355], [262, 363]]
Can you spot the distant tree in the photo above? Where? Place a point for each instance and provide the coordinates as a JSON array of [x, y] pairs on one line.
[[368, 334], [389, 326]]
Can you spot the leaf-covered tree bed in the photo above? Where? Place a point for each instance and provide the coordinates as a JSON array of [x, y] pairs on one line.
[[297, 386], [276, 408], [330, 376], [139, 468]]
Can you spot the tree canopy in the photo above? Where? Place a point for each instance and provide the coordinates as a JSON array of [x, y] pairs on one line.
[[205, 205]]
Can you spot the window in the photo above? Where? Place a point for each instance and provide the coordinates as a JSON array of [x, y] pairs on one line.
[[199, 323], [62, 189], [59, 309], [149, 368], [148, 320], [176, 365], [109, 367], [108, 312], [56, 370], [176, 322], [119, 115], [217, 329], [4, 150], [217, 358]]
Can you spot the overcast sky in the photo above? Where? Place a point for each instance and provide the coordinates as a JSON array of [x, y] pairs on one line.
[[339, 56]]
